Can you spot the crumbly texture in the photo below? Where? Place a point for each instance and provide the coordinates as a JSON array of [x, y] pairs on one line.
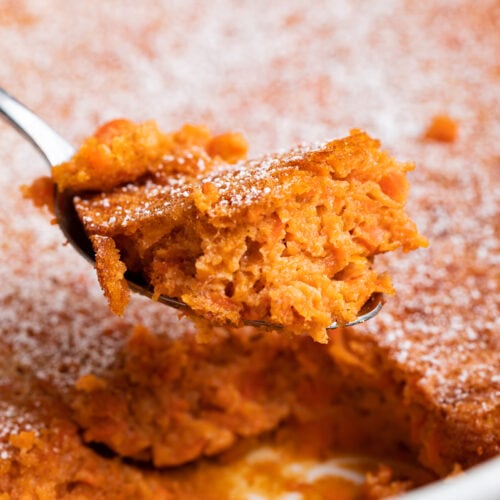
[[389, 67], [111, 272], [201, 398], [169, 402], [42, 456], [288, 239]]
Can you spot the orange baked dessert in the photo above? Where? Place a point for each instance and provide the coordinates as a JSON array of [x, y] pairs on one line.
[[252, 402], [163, 416], [91, 404], [288, 239], [155, 411]]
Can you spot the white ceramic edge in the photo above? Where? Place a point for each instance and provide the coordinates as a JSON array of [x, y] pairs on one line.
[[481, 482]]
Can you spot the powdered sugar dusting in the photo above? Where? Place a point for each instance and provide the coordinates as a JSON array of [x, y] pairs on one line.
[[238, 186], [282, 72]]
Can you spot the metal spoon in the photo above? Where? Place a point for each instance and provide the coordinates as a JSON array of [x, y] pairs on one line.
[[56, 150]]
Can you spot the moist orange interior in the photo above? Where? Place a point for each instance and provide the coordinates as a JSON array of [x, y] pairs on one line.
[[217, 420], [288, 239]]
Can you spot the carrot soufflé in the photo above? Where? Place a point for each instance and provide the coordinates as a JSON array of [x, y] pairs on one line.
[[97, 405], [288, 239]]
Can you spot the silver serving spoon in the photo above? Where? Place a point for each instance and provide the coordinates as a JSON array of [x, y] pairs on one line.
[[56, 150]]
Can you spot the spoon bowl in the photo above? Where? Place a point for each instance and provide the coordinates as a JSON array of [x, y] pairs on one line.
[[57, 150]]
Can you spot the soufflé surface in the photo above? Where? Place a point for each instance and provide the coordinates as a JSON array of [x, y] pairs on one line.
[[98, 406]]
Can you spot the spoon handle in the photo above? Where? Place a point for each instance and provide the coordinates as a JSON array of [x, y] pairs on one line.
[[52, 146]]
